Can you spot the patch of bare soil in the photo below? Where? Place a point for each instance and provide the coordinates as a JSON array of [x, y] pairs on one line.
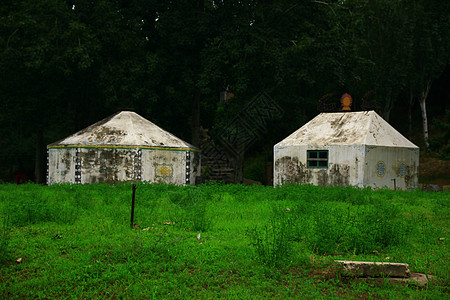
[[434, 171]]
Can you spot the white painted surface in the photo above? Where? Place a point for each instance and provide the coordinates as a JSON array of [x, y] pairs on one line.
[[356, 143], [109, 152], [106, 165], [350, 128], [392, 159], [345, 165], [62, 166], [124, 128], [157, 163]]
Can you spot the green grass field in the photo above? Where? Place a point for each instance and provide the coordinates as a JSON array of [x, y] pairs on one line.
[[234, 241]]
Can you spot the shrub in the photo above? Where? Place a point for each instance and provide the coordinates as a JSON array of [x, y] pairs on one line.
[[330, 227], [273, 242]]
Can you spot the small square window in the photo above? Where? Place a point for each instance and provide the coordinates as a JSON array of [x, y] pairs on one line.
[[317, 159]]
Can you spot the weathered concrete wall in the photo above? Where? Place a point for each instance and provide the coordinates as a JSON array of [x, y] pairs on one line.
[[98, 165], [289, 165], [374, 166], [164, 166], [383, 164], [106, 164], [195, 167], [61, 165], [345, 166], [348, 162]]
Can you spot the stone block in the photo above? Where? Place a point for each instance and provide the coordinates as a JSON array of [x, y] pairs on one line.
[[373, 269]]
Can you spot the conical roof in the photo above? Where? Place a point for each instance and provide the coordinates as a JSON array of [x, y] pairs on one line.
[[347, 128], [123, 129]]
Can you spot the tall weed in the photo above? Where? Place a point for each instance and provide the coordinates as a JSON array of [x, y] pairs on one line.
[[34, 209], [330, 227], [385, 224], [273, 242], [194, 209]]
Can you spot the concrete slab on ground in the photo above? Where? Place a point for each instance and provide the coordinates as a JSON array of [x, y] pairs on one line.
[[374, 269]]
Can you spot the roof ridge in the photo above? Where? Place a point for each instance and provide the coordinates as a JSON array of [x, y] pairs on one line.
[[128, 129], [347, 128]]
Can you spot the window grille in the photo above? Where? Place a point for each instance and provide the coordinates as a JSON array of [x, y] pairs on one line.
[[317, 159]]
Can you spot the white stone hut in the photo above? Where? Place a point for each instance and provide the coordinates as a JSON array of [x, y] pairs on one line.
[[123, 147], [347, 149]]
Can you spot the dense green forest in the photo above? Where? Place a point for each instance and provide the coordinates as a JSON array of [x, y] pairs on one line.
[[67, 64]]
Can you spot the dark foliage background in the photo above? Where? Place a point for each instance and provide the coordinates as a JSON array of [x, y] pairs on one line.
[[67, 64]]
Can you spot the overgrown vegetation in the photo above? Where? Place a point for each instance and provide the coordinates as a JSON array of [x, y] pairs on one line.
[[215, 240]]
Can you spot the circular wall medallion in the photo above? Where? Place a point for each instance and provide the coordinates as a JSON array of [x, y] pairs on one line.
[[381, 168], [402, 169]]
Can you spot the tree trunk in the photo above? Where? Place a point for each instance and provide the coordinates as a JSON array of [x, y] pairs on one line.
[[410, 108], [423, 108], [389, 105]]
